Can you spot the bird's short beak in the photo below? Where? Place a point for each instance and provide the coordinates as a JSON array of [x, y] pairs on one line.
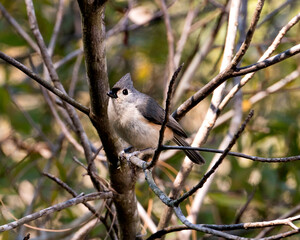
[[112, 94]]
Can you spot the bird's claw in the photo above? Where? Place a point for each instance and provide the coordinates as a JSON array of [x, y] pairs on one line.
[[126, 155]]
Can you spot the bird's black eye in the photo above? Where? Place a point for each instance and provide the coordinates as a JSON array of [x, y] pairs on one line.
[[125, 91]]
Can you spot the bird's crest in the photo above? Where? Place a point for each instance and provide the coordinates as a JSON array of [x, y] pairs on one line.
[[124, 82]]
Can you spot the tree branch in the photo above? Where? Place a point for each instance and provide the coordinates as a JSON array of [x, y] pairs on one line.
[[55, 79], [235, 154], [56, 208], [225, 74], [217, 163], [268, 62], [44, 83], [19, 29], [121, 175], [166, 119]]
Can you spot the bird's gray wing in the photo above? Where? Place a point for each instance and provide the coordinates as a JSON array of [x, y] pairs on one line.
[[154, 113]]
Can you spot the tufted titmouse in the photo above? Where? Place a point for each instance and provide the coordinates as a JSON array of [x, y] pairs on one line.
[[137, 119]]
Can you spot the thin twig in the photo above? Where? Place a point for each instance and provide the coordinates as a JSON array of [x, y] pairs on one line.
[[61, 123], [162, 196], [268, 62], [224, 75], [162, 232], [245, 206], [274, 12], [219, 79], [218, 162], [56, 208], [187, 28], [166, 119], [202, 228], [19, 29], [266, 54], [291, 213], [76, 160], [58, 21], [28, 117], [44, 83], [211, 114], [75, 194], [245, 45], [55, 79], [40, 41], [241, 155], [170, 38], [258, 96], [211, 228], [61, 183], [75, 74], [197, 59], [67, 58]]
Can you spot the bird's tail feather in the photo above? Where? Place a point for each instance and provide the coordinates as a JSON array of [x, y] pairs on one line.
[[193, 155]]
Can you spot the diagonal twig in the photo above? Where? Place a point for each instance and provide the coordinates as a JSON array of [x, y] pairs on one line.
[[56, 208], [19, 29], [88, 206], [44, 83], [224, 75], [218, 162], [58, 21], [166, 119]]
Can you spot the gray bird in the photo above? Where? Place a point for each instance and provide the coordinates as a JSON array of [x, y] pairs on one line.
[[137, 119]]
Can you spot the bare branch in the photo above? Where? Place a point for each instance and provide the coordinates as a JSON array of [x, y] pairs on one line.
[[40, 41], [170, 37], [258, 96], [225, 74], [67, 58], [166, 119], [162, 196], [216, 229], [167, 230], [292, 212], [268, 62], [19, 29], [201, 228], [197, 59], [122, 176], [58, 21], [245, 45], [74, 79], [88, 206], [211, 114], [241, 155], [54, 77], [277, 10], [44, 83], [56, 208], [217, 163], [267, 54]]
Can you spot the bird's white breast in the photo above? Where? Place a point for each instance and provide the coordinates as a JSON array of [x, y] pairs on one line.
[[131, 126]]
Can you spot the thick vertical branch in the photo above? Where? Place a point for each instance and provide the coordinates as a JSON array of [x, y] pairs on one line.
[[122, 178]]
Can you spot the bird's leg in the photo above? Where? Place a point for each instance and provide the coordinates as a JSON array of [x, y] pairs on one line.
[[128, 154], [128, 149]]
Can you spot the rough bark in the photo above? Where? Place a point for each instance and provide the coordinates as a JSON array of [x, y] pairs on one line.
[[121, 175]]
